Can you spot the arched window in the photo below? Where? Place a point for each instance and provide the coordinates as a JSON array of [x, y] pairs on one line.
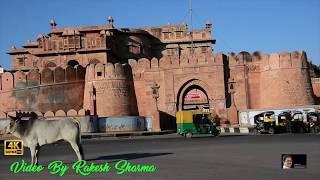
[[50, 64]]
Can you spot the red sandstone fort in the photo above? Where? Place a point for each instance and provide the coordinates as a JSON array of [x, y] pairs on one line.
[[152, 72]]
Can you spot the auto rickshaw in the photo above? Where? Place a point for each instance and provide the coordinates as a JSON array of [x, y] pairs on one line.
[[313, 122], [265, 122], [190, 123], [284, 122], [297, 124]]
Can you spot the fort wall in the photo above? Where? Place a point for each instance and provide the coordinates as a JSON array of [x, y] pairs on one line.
[[49, 89], [275, 80]]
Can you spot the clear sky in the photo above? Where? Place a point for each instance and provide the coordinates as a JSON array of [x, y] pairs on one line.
[[238, 25]]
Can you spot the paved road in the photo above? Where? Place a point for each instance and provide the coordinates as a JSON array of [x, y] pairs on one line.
[[227, 157]]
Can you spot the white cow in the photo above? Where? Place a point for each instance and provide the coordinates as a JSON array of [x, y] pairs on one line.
[[36, 132]]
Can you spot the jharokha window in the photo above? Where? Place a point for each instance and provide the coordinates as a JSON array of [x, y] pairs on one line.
[[71, 42], [204, 49], [94, 42], [178, 34], [21, 60], [60, 45], [135, 48], [166, 35], [54, 45]]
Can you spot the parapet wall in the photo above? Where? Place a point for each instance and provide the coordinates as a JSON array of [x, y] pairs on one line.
[[171, 62], [266, 62], [20, 79], [49, 89]]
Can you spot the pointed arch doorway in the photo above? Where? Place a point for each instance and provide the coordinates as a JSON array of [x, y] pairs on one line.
[[193, 96]]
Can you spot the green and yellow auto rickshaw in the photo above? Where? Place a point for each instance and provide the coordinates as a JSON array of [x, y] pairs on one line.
[[265, 122], [190, 123]]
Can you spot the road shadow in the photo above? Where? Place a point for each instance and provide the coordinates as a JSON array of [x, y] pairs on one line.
[[128, 156]]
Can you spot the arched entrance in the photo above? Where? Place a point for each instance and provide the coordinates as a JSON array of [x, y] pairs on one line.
[[73, 63], [193, 96]]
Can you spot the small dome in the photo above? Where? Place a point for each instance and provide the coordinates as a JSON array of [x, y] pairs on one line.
[[52, 21]]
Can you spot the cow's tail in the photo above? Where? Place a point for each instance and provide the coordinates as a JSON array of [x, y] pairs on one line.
[[79, 138]]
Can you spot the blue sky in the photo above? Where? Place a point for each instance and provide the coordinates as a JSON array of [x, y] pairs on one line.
[[246, 25]]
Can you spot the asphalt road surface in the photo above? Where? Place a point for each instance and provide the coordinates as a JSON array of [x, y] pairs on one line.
[[225, 157]]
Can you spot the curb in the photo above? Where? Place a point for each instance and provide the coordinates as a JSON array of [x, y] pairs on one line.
[[123, 134], [245, 130]]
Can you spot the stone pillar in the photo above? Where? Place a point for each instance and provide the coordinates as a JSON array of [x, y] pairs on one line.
[[232, 112], [156, 113], [233, 115], [156, 121]]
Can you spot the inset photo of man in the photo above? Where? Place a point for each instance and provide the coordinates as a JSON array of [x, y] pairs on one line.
[[290, 161]]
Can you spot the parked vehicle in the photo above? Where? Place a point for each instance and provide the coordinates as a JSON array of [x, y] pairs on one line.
[[284, 122], [265, 122], [190, 123], [313, 122], [297, 122]]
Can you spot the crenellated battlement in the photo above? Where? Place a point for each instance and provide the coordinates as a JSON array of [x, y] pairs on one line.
[[108, 71], [20, 79], [58, 113], [167, 62], [296, 59]]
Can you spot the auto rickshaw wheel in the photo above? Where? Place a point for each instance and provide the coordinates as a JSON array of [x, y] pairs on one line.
[[272, 130], [301, 129], [188, 135], [315, 130], [256, 131]]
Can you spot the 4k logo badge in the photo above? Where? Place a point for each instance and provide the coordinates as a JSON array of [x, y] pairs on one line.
[[13, 147]]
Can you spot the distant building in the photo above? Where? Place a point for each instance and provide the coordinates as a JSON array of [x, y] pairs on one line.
[[150, 71]]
